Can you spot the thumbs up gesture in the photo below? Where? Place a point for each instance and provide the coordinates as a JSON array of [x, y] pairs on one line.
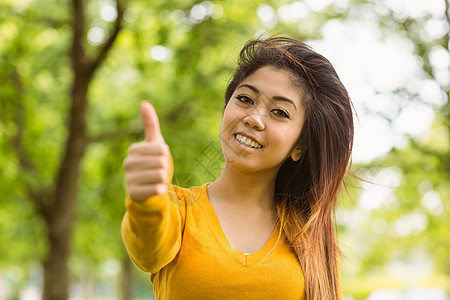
[[147, 165]]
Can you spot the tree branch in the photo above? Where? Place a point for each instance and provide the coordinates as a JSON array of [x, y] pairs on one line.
[[109, 42], [78, 54], [24, 159], [117, 134], [39, 196], [426, 150], [25, 162]]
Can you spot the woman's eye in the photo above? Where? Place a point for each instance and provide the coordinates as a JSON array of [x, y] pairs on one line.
[[244, 99], [280, 113]]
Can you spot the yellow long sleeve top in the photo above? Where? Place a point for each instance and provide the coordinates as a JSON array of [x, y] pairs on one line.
[[178, 239]]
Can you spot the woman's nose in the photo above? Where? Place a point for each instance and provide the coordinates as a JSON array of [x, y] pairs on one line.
[[256, 119]]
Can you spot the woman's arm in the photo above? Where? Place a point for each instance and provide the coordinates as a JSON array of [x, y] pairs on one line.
[[151, 231], [152, 225]]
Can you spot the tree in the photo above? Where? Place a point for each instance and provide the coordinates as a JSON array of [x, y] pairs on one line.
[[424, 163], [55, 200], [409, 223]]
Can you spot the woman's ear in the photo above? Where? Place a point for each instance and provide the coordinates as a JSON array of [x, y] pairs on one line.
[[296, 153]]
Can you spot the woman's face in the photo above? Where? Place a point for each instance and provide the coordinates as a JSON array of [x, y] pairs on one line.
[[262, 121]]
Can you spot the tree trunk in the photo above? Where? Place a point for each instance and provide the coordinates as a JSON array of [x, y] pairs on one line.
[[126, 279], [56, 273], [58, 210], [60, 215]]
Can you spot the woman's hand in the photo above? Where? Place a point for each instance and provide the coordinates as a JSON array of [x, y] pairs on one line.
[[147, 165]]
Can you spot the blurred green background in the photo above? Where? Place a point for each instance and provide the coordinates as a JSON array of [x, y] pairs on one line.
[[72, 74]]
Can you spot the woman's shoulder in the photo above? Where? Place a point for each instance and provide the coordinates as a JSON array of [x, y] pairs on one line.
[[187, 196]]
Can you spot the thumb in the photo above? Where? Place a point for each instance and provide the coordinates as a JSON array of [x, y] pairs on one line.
[[150, 122]]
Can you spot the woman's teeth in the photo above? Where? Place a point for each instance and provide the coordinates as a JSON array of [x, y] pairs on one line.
[[248, 142]]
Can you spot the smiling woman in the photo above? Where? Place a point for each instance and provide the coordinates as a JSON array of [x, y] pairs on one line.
[[263, 229], [261, 112]]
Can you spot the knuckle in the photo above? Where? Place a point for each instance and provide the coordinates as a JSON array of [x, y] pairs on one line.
[[160, 189], [156, 149], [166, 149], [131, 186], [161, 162], [128, 180], [161, 148], [132, 148], [126, 163], [162, 175], [133, 194], [165, 163]]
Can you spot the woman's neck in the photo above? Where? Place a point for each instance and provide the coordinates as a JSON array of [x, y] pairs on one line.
[[244, 189]]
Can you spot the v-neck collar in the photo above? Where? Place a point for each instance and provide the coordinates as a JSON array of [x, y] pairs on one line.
[[247, 260]]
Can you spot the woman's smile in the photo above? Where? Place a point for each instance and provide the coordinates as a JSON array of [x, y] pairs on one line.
[[247, 142]]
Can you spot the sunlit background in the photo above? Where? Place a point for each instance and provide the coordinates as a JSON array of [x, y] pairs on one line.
[[392, 55]]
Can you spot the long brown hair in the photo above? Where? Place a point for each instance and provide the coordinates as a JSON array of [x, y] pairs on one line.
[[306, 190]]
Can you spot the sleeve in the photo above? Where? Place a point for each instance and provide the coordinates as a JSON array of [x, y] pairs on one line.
[[152, 230]]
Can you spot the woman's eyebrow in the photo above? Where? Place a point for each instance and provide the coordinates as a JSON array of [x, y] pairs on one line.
[[249, 86], [277, 98], [281, 98]]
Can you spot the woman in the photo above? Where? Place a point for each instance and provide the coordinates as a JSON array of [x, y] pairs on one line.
[[264, 228]]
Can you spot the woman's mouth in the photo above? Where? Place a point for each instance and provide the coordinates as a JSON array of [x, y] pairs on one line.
[[247, 141]]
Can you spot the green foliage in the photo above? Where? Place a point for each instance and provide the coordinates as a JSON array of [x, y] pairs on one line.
[[187, 90], [423, 189]]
